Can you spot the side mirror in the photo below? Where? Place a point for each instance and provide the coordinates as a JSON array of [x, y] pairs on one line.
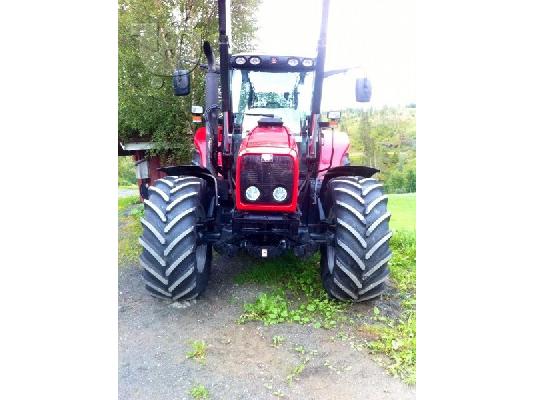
[[181, 83], [363, 90]]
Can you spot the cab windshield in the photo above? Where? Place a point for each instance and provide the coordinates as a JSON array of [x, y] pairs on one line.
[[285, 95]]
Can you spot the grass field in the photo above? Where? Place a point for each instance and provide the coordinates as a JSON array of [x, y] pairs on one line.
[[402, 209], [129, 186]]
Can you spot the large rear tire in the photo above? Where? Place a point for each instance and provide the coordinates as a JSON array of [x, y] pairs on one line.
[[176, 265], [354, 267]]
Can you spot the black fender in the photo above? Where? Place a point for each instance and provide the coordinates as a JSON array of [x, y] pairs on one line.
[[199, 172], [343, 170], [347, 170]]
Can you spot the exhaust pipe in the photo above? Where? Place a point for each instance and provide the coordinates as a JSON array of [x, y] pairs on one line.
[[318, 84], [224, 51], [212, 105]]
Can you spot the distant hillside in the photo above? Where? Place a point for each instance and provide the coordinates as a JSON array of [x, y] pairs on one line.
[[385, 139]]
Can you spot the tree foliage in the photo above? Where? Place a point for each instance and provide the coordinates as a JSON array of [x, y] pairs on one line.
[[127, 171], [385, 139], [156, 36]]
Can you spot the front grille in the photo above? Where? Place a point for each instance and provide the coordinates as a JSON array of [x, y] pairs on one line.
[[266, 176]]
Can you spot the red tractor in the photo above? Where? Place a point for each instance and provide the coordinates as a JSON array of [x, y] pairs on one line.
[[268, 176]]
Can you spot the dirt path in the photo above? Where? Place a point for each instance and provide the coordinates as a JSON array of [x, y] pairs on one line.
[[241, 362]]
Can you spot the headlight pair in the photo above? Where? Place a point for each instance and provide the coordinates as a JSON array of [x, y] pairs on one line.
[[253, 193]]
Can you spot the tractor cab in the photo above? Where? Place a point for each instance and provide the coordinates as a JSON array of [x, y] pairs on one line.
[[271, 86]]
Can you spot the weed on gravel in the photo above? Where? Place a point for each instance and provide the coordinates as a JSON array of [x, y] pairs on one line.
[[198, 351], [199, 392], [278, 340], [296, 371]]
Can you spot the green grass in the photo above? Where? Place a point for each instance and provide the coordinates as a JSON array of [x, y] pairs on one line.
[[397, 338], [402, 209], [127, 185], [130, 212], [129, 247], [295, 293], [199, 392], [125, 202]]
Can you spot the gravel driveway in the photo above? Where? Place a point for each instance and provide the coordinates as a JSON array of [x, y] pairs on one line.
[[241, 362], [126, 192]]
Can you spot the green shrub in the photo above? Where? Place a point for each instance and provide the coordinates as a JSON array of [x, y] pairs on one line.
[[410, 181], [127, 171]]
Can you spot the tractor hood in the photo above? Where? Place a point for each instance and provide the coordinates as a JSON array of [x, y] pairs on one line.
[[267, 160], [269, 136]]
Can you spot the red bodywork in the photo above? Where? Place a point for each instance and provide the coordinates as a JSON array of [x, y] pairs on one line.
[[276, 140], [341, 147], [200, 144]]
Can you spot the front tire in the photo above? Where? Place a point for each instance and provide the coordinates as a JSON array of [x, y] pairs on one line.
[[354, 267], [176, 264]]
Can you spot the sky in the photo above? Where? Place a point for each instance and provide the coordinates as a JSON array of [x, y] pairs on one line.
[[378, 35]]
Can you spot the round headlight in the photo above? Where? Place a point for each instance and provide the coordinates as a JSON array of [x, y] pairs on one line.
[[280, 194], [307, 62], [254, 60], [292, 62], [240, 60], [252, 193]]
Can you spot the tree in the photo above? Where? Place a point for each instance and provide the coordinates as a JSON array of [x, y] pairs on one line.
[[385, 139], [154, 37], [368, 143]]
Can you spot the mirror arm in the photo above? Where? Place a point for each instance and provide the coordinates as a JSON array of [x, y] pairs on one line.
[[341, 70]]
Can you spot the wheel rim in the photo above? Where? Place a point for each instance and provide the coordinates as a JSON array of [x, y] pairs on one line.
[[201, 255]]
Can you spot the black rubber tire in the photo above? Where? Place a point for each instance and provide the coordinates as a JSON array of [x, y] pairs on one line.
[[355, 266], [175, 265]]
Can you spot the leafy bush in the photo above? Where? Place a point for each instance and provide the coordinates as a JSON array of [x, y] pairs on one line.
[[127, 171], [410, 181], [395, 183], [400, 182]]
